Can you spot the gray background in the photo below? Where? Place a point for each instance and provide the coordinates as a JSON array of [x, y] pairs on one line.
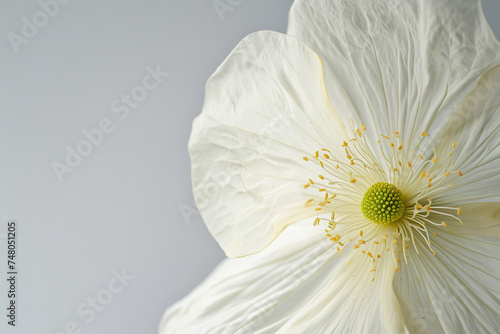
[[128, 205]]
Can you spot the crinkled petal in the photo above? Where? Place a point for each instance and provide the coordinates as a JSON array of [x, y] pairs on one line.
[[266, 107], [296, 285], [397, 65], [456, 291]]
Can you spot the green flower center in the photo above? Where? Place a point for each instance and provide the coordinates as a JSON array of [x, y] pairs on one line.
[[383, 203]]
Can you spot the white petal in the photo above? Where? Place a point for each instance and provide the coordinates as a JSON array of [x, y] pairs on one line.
[[475, 126], [257, 293], [296, 285], [457, 291], [350, 302], [480, 219], [397, 65], [266, 107]]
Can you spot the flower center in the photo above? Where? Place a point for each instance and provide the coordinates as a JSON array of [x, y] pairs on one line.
[[383, 203], [387, 223]]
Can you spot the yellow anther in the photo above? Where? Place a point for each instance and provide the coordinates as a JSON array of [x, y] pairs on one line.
[[409, 164], [306, 186], [459, 211], [400, 147], [321, 177], [459, 173], [363, 127], [385, 136], [444, 224], [316, 154], [454, 144], [326, 156]]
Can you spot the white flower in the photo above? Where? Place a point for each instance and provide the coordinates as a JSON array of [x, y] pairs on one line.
[[364, 103]]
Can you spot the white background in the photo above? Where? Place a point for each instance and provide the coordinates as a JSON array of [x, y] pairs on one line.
[[121, 207]]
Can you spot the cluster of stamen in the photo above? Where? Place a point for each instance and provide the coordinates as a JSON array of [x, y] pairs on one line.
[[382, 205]]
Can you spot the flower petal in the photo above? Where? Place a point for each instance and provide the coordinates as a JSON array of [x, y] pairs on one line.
[[475, 126], [258, 291], [457, 291], [480, 219], [397, 65], [297, 284], [265, 108], [350, 302]]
